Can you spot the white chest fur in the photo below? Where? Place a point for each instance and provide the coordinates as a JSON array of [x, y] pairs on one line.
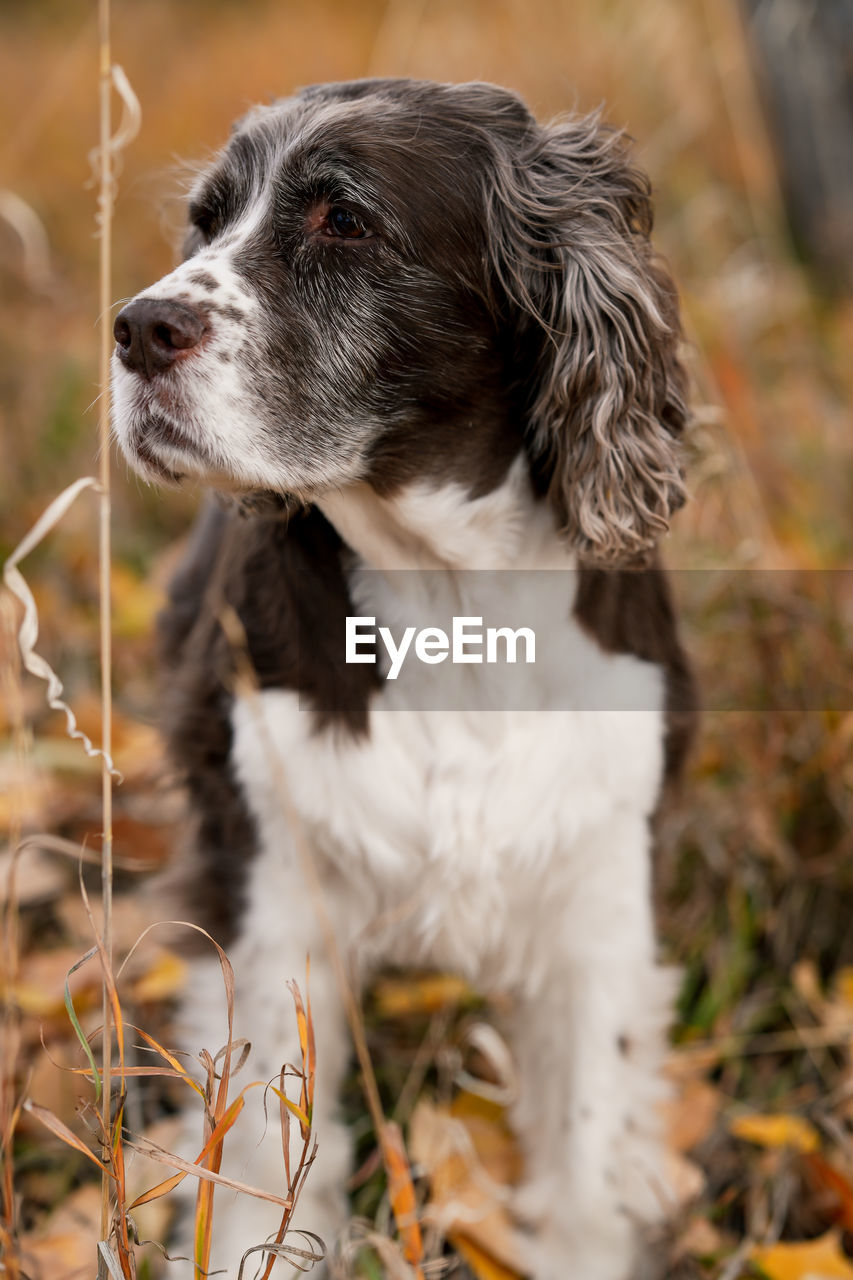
[[469, 823], [457, 822]]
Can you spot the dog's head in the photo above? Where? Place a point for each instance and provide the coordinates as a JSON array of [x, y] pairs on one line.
[[390, 280]]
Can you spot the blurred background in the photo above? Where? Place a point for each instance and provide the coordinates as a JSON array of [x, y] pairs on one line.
[[743, 116]]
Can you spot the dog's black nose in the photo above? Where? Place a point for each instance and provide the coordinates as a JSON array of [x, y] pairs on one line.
[[152, 333]]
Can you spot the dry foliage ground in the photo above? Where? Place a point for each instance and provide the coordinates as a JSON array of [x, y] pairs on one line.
[[755, 879]]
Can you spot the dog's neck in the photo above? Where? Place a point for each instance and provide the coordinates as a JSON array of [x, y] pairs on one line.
[[430, 526]]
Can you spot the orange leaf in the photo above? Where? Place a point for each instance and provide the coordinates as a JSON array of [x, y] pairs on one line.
[[154, 1193], [820, 1259], [826, 1176]]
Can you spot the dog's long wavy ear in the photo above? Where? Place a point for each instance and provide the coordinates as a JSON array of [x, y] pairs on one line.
[[597, 316]]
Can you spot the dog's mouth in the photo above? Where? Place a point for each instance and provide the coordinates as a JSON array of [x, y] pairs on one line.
[[167, 443], [151, 463], [166, 454], [164, 450]]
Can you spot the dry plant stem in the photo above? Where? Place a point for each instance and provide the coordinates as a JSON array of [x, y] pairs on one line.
[[9, 1105], [746, 1045], [105, 201]]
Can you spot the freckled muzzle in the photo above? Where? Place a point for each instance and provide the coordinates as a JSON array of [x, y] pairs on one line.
[[153, 333]]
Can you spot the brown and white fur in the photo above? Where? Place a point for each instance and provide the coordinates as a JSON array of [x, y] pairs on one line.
[[416, 330]]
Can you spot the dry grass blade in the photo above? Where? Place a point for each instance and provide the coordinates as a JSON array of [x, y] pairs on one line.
[[293, 1254], [153, 1151], [119, 1227], [284, 1115], [162, 1188], [401, 1192], [304, 1113], [47, 843], [178, 1070], [301, 1115], [60, 1130], [306, 1096]]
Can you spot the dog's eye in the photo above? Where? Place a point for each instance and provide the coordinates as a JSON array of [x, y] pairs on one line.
[[344, 224]]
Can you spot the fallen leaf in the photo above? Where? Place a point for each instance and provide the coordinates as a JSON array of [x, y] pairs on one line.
[[25, 793], [691, 1115], [40, 989], [483, 1266], [416, 996], [63, 1247], [843, 984], [164, 978], [685, 1178], [776, 1130], [135, 603], [494, 1143], [59, 1256], [467, 1199], [38, 876], [820, 1259], [832, 1180]]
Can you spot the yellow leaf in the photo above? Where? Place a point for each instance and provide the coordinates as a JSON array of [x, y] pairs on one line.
[[418, 996], [292, 1107], [135, 603], [844, 984], [776, 1130], [164, 978], [494, 1143], [820, 1259]]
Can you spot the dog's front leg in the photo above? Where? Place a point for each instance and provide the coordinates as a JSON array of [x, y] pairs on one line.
[[589, 1043]]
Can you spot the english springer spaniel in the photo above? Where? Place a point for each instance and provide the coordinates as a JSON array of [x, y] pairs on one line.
[[415, 330]]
